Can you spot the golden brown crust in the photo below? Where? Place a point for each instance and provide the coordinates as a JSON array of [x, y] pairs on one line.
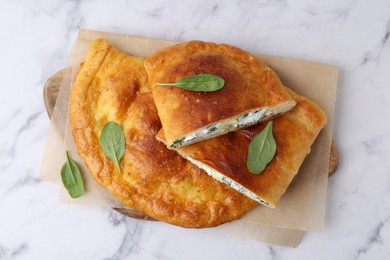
[[249, 84], [294, 133], [112, 86]]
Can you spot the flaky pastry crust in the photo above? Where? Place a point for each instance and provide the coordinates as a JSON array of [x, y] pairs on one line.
[[294, 133], [113, 86], [249, 84]]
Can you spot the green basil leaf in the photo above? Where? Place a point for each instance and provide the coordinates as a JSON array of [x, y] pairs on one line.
[[71, 177], [113, 142], [200, 82], [261, 150]]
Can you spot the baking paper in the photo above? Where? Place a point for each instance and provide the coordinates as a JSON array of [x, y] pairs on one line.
[[302, 207]]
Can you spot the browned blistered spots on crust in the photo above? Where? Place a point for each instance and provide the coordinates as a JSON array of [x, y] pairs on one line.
[[249, 84], [294, 133], [112, 86]]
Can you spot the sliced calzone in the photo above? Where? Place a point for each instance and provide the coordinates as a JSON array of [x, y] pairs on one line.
[[224, 158], [111, 86], [252, 91]]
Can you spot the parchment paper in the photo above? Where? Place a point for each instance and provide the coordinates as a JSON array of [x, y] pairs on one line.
[[302, 208]]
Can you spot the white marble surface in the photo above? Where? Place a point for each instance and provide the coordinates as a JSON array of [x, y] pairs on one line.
[[35, 40]]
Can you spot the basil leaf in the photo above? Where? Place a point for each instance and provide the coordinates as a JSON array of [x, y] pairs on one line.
[[113, 143], [200, 82], [261, 150], [71, 177]]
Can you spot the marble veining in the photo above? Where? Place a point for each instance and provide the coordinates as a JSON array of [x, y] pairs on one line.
[[374, 54], [374, 238], [12, 252], [28, 179], [36, 38], [130, 241]]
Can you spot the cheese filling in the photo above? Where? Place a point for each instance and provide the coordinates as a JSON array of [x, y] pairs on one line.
[[231, 124], [226, 180]]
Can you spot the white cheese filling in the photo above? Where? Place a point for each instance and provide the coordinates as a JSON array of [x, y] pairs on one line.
[[226, 180], [246, 119]]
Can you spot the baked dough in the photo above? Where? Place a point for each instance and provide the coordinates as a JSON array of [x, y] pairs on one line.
[[224, 157], [112, 86], [252, 92]]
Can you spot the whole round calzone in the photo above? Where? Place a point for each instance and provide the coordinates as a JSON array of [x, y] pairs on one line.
[[113, 86]]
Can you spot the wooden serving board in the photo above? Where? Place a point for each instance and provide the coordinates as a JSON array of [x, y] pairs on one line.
[[50, 93]]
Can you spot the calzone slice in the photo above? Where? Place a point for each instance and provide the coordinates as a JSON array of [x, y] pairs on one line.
[[224, 158], [252, 92]]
